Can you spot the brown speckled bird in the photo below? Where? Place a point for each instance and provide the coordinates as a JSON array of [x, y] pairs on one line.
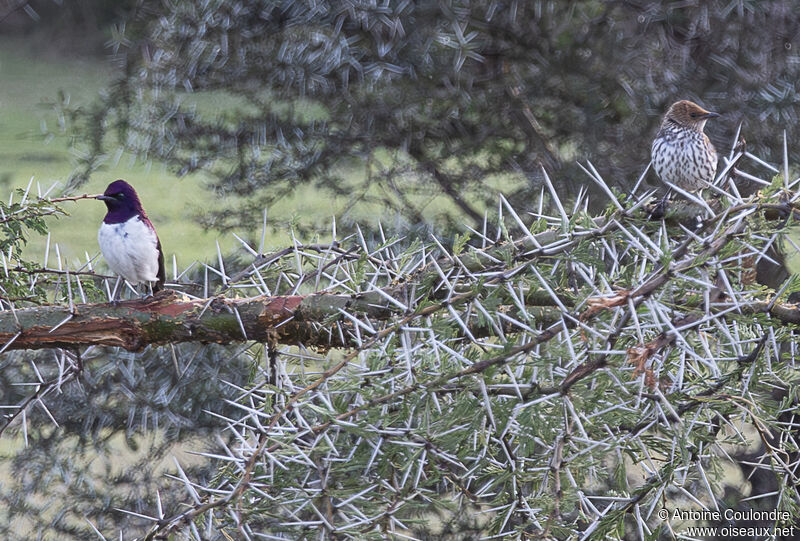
[[682, 154]]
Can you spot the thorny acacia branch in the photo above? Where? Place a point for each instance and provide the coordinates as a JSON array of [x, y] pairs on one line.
[[502, 373]]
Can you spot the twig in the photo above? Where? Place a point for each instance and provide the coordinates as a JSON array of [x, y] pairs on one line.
[[72, 198]]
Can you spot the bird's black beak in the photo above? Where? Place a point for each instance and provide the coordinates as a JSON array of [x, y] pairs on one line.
[[710, 115], [104, 198]]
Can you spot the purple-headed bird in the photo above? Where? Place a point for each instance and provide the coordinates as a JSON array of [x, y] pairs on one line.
[[128, 239]]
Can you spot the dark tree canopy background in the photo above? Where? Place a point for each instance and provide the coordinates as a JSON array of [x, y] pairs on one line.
[[431, 97], [419, 99]]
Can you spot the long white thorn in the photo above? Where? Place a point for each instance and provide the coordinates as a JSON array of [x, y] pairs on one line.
[[556, 200]]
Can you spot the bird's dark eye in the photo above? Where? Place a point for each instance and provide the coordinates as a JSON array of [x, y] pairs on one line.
[[120, 195], [693, 115]]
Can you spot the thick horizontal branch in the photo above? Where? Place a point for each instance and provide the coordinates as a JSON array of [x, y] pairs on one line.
[[312, 320], [168, 317]]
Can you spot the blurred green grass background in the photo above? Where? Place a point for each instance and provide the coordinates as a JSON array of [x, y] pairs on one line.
[[29, 81], [32, 79]]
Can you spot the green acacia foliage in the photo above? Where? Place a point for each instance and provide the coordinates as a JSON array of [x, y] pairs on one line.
[[385, 100], [19, 219], [562, 377]]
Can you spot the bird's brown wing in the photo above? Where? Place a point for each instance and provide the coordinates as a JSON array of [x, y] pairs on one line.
[[161, 276]]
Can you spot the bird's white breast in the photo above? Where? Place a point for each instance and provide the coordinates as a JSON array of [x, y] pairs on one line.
[[130, 249]]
